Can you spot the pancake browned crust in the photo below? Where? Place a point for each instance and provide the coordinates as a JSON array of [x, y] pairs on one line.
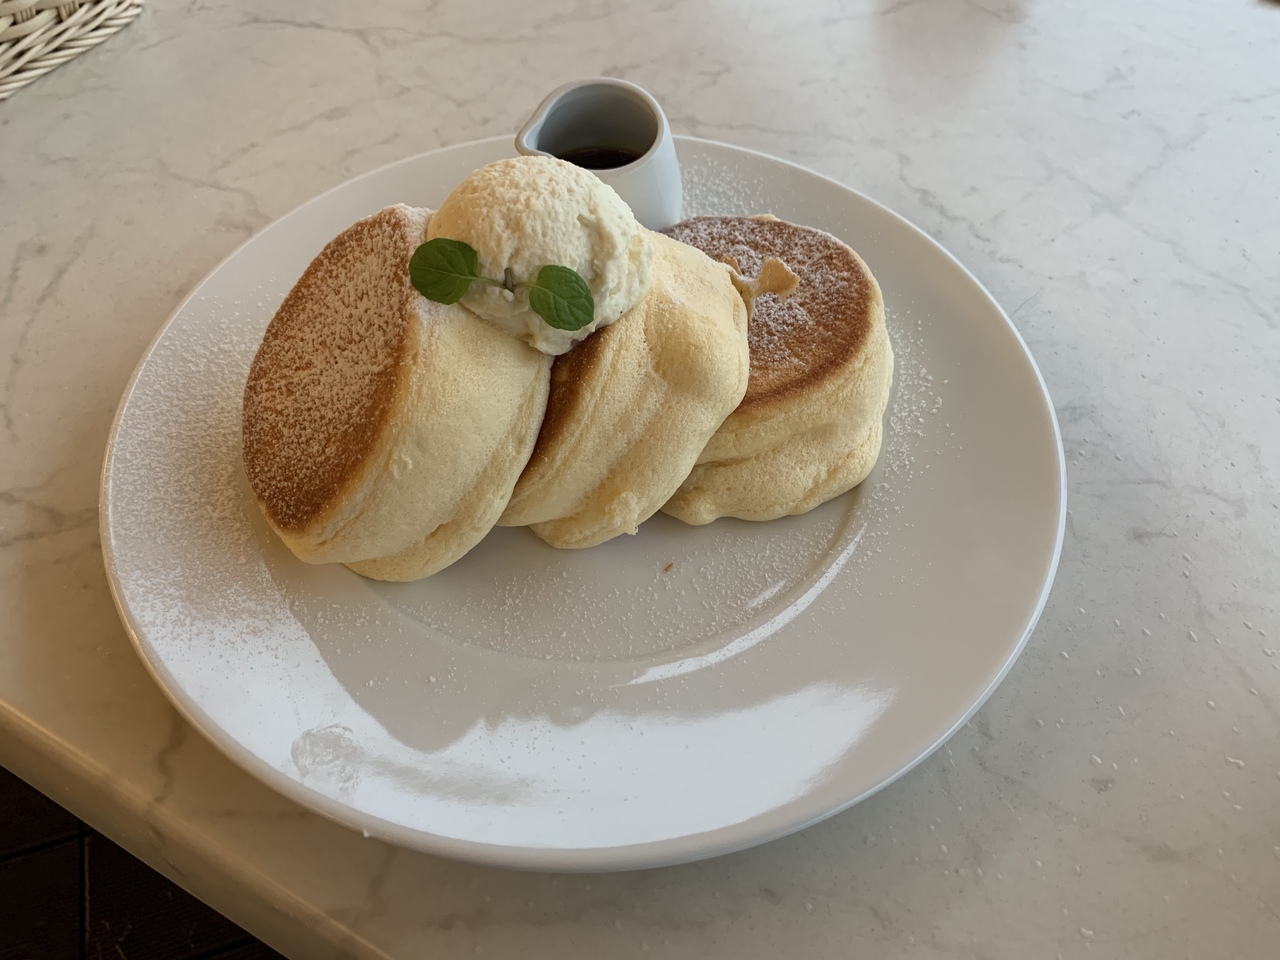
[[380, 429], [320, 396], [809, 427]]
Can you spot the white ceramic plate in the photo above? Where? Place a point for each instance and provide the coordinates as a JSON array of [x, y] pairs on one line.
[[661, 698]]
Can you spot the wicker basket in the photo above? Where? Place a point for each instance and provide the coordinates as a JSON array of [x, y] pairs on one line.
[[38, 35]]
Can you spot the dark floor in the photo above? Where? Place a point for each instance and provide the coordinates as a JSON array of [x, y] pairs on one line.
[[69, 893]]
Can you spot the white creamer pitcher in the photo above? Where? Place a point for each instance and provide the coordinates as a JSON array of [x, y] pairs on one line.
[[617, 131]]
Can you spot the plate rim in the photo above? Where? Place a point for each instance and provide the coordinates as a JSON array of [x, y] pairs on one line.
[[652, 854]]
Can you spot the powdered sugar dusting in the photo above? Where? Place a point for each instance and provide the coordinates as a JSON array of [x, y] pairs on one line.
[[181, 432], [797, 339], [722, 188], [911, 418]]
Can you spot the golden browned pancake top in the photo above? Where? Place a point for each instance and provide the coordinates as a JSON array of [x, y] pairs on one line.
[[323, 385], [798, 341]]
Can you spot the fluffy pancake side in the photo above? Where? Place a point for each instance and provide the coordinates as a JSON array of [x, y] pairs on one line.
[[483, 398], [632, 407], [803, 471]]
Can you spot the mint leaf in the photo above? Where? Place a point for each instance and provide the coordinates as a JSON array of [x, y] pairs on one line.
[[443, 270], [561, 298]]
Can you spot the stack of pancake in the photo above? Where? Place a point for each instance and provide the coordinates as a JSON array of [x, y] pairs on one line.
[[390, 433]]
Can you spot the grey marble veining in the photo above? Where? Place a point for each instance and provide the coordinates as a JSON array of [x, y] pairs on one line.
[[1107, 170]]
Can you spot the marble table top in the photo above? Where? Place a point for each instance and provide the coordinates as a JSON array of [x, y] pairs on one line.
[[1107, 170]]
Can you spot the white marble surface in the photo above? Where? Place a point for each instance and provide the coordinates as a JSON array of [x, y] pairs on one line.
[[1108, 170]]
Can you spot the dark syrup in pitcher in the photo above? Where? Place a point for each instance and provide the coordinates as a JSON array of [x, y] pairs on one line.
[[599, 158]]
